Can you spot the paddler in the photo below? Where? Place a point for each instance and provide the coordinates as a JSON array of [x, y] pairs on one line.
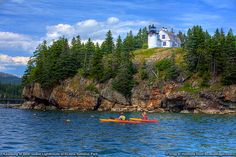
[[122, 117], [144, 116]]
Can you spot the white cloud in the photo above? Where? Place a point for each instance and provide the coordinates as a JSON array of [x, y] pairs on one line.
[[17, 42], [94, 29], [8, 62], [112, 20]]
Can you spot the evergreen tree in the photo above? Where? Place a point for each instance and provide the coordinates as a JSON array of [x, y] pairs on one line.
[[229, 75], [129, 42], [97, 66], [138, 41], [108, 45], [194, 47], [89, 52], [76, 50], [123, 83], [144, 36], [117, 54], [217, 53], [182, 38]]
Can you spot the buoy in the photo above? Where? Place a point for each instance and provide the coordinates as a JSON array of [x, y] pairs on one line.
[[67, 120]]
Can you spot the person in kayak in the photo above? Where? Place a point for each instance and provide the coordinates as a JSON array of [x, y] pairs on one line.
[[122, 117], [144, 116]]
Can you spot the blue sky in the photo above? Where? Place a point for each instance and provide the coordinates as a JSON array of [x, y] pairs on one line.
[[25, 23]]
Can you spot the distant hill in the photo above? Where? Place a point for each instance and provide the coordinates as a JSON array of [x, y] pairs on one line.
[[9, 79]]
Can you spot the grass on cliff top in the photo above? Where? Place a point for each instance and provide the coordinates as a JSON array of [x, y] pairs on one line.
[[141, 54], [157, 54], [187, 87]]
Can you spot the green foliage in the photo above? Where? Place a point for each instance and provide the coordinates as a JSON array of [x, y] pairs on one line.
[[10, 90], [179, 51], [205, 80], [182, 38], [51, 64], [123, 82], [211, 54], [145, 46], [187, 87], [167, 70], [91, 87], [143, 73], [108, 45], [229, 75], [97, 66]]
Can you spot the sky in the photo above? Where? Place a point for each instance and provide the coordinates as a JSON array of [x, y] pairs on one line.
[[26, 23]]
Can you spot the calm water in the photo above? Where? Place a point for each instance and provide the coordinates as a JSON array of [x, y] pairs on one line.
[[35, 131]]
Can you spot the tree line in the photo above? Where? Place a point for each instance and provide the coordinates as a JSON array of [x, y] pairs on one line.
[[112, 59], [211, 56], [208, 55], [10, 90]]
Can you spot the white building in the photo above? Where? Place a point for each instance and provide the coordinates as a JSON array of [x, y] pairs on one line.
[[162, 38]]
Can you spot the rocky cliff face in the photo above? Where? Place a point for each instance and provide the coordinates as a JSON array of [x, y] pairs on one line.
[[79, 93]]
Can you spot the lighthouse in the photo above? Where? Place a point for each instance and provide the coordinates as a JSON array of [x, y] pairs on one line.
[[162, 38], [152, 37]]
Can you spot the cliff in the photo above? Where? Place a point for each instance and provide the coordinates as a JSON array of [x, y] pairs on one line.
[[79, 93]]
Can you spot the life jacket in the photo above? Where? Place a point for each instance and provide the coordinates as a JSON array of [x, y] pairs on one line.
[[122, 117], [145, 117]]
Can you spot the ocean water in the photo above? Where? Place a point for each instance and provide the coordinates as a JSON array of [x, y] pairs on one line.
[[28, 131]]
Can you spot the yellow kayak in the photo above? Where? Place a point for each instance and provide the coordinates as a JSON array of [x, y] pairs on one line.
[[119, 121], [144, 120], [109, 120]]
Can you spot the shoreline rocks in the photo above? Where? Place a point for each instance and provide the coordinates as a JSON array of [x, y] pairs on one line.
[[74, 94]]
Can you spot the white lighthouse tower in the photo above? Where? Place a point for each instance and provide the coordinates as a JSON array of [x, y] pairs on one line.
[[152, 37]]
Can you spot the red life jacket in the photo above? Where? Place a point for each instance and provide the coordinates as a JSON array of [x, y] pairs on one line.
[[145, 117]]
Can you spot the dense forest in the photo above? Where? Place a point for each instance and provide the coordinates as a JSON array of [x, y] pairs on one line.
[[9, 86], [211, 56], [208, 56], [52, 64], [10, 91]]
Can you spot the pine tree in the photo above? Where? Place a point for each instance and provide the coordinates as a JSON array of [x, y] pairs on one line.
[[194, 47], [182, 38], [97, 66], [117, 54], [108, 44], [129, 42], [138, 42], [124, 82], [229, 75], [89, 52], [76, 50]]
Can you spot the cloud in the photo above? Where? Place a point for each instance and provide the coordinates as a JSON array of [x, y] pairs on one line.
[[8, 62], [17, 42], [112, 20], [94, 29]]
